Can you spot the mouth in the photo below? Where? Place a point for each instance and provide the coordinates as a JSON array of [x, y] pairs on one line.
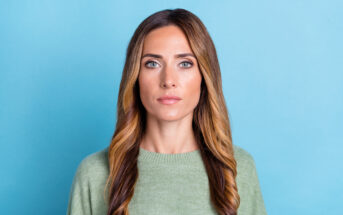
[[168, 100]]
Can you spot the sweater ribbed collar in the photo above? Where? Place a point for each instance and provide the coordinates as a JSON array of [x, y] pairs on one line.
[[192, 157]]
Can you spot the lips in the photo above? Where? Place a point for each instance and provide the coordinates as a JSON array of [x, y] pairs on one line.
[[169, 99]]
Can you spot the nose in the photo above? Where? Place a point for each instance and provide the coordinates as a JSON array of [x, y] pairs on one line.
[[168, 77]]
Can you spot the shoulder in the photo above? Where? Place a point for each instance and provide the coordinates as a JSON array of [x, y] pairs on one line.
[[94, 165], [246, 168], [86, 195], [251, 200], [242, 156]]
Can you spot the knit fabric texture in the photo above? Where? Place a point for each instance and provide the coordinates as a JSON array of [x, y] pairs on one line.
[[167, 184]]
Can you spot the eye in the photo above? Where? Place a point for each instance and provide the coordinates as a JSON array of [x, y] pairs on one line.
[[151, 64], [186, 64]]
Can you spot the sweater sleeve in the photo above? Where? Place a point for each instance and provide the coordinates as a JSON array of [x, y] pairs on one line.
[[79, 197], [257, 203], [251, 199]]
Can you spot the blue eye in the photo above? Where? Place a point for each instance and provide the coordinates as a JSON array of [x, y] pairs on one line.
[[187, 63], [149, 63]]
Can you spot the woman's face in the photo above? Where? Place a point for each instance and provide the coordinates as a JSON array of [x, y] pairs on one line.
[[168, 68]]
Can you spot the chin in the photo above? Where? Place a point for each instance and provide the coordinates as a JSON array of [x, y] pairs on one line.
[[165, 116], [169, 118]]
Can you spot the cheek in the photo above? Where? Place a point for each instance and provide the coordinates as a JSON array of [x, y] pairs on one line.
[[145, 90], [193, 89], [193, 83]]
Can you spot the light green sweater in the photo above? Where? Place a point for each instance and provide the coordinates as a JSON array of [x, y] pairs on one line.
[[167, 184]]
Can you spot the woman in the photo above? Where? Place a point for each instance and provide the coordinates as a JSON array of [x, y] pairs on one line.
[[172, 150]]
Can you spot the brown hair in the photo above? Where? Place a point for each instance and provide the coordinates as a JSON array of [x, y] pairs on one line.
[[210, 124]]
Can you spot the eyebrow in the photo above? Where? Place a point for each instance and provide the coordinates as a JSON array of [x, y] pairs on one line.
[[160, 56]]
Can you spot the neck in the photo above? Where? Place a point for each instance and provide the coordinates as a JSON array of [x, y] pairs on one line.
[[169, 137]]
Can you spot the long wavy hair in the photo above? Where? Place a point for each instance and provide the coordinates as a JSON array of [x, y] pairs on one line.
[[210, 123]]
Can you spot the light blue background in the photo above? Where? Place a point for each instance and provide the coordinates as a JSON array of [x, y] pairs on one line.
[[281, 62]]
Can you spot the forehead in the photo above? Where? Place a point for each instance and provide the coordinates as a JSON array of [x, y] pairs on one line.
[[167, 38]]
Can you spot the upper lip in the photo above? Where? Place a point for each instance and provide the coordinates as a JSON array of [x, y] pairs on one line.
[[169, 97]]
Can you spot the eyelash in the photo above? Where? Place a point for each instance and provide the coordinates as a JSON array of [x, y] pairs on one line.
[[189, 62]]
